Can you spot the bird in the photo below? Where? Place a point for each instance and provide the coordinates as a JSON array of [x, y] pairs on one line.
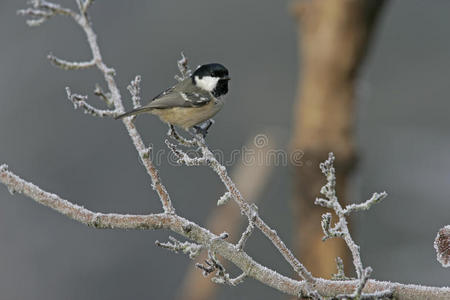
[[192, 101]]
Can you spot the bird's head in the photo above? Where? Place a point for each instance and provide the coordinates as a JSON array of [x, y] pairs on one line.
[[212, 78]]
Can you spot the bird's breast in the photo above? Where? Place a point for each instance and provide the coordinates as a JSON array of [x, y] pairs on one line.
[[187, 117]]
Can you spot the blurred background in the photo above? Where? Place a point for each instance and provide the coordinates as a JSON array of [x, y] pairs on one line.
[[401, 136]]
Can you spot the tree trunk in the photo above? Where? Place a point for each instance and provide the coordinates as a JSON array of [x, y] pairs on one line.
[[333, 40]]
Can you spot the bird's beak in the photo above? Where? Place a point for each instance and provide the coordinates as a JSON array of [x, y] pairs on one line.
[[226, 78]]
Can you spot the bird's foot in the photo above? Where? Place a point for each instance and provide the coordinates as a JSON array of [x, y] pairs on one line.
[[203, 128]]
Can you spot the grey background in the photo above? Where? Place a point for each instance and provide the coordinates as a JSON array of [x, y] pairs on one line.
[[403, 137]]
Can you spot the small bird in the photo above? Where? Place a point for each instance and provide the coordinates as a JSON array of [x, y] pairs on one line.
[[192, 101]]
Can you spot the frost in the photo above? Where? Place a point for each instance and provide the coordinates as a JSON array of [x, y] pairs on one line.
[[224, 199]]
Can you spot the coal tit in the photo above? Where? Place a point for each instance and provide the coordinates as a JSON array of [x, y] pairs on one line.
[[192, 101]]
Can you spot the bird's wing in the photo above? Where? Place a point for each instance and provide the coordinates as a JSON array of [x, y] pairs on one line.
[[173, 98]]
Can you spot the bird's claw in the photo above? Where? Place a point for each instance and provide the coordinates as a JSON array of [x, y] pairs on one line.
[[202, 128]]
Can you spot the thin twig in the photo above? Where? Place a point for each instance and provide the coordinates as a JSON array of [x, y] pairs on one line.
[[80, 101], [245, 235], [135, 90], [102, 95], [191, 249], [68, 65]]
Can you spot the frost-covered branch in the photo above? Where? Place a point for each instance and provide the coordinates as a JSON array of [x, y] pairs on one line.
[[213, 264], [245, 235], [340, 275], [79, 101], [98, 91], [116, 99], [135, 90], [207, 158], [185, 71], [376, 197], [67, 65], [41, 10], [340, 229], [202, 236], [191, 249]]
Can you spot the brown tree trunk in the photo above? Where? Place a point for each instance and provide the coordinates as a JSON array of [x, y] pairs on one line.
[[333, 40]]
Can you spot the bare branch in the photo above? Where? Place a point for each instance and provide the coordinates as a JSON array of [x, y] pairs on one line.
[[135, 90], [80, 101], [362, 283], [341, 229], [251, 211], [191, 249], [67, 65], [340, 275], [202, 236], [42, 10], [143, 151], [83, 5], [183, 68], [104, 96], [376, 197], [213, 264], [245, 235], [183, 157], [330, 232]]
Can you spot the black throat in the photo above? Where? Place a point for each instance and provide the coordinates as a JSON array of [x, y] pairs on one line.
[[221, 88]]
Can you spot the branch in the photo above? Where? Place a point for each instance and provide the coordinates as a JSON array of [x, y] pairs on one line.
[[202, 236], [192, 249], [67, 65], [376, 197], [185, 72], [153, 221], [116, 99], [341, 229], [80, 101], [42, 10], [135, 91], [251, 212], [102, 95], [245, 235], [207, 158], [213, 264]]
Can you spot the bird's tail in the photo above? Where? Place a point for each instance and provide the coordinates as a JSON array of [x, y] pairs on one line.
[[133, 112]]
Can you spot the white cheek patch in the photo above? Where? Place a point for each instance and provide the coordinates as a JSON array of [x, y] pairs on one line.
[[207, 83]]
